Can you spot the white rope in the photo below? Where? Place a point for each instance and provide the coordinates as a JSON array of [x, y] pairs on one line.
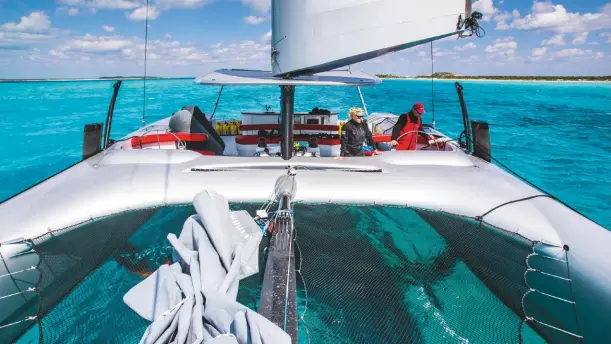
[[18, 272], [19, 293], [19, 322]]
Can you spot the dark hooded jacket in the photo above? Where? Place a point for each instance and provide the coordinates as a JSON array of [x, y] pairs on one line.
[[354, 135]]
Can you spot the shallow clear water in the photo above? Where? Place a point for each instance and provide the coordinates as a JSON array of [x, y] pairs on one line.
[[366, 275], [558, 135]]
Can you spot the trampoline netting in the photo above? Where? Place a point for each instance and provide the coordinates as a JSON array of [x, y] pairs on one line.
[[365, 274]]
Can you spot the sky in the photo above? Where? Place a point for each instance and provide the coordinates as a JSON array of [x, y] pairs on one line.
[[186, 38]]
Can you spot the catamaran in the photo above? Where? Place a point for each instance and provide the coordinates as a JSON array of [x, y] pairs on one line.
[[327, 247]]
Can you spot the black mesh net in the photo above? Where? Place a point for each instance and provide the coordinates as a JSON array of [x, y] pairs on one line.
[[365, 275], [391, 278]]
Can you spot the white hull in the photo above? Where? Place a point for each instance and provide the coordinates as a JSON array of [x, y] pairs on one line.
[[118, 181]]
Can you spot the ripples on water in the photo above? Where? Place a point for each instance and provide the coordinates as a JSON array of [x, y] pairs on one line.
[[558, 135]]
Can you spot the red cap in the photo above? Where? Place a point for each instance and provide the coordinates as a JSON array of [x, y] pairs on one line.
[[419, 108]]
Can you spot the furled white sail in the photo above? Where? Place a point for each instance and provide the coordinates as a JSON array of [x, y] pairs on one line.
[[311, 36]]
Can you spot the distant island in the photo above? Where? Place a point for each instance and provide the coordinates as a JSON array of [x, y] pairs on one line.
[[453, 76], [94, 79], [439, 75]]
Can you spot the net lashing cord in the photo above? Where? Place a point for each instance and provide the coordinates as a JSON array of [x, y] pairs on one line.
[[305, 289], [524, 179], [546, 194], [35, 289], [565, 248], [568, 279]]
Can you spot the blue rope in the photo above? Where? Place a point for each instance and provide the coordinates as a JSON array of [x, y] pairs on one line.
[[266, 226]]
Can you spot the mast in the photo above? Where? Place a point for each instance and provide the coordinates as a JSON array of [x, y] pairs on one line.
[[287, 119]]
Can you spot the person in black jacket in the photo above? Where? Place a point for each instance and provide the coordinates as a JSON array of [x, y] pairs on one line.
[[355, 133]]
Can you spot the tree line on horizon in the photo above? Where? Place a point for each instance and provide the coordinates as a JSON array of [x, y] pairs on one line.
[[447, 75]]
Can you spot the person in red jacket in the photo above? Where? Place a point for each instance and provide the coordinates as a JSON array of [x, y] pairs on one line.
[[408, 127]]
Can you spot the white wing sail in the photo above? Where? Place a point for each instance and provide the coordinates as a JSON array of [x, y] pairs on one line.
[[311, 36]]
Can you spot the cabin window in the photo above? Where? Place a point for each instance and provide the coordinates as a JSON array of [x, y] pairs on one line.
[[312, 121]]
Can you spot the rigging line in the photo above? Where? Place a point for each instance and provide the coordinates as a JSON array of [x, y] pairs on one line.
[[481, 217], [432, 84], [568, 270], [536, 186], [146, 36]]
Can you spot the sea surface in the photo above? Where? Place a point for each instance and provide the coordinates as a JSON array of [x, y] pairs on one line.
[[557, 135]]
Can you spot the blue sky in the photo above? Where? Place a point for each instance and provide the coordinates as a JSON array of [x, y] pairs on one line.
[[92, 38]]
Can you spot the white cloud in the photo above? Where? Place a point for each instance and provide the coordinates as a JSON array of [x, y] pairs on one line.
[[21, 40], [501, 19], [267, 37], [260, 6], [537, 54], [168, 4], [73, 11], [72, 2], [573, 52], [56, 53], [141, 13], [503, 47], [555, 40], [444, 53], [95, 44], [467, 46], [504, 39], [486, 7], [119, 48], [421, 54], [108, 28], [543, 7], [25, 36], [580, 38], [502, 25], [542, 54], [167, 36], [503, 16], [546, 15], [606, 35], [104, 4], [33, 22], [254, 20]]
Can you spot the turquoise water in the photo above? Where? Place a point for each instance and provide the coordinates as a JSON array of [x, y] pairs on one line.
[[555, 134], [388, 278], [558, 135]]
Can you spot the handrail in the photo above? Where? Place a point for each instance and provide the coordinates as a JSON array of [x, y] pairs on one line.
[[111, 110], [465, 115]]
